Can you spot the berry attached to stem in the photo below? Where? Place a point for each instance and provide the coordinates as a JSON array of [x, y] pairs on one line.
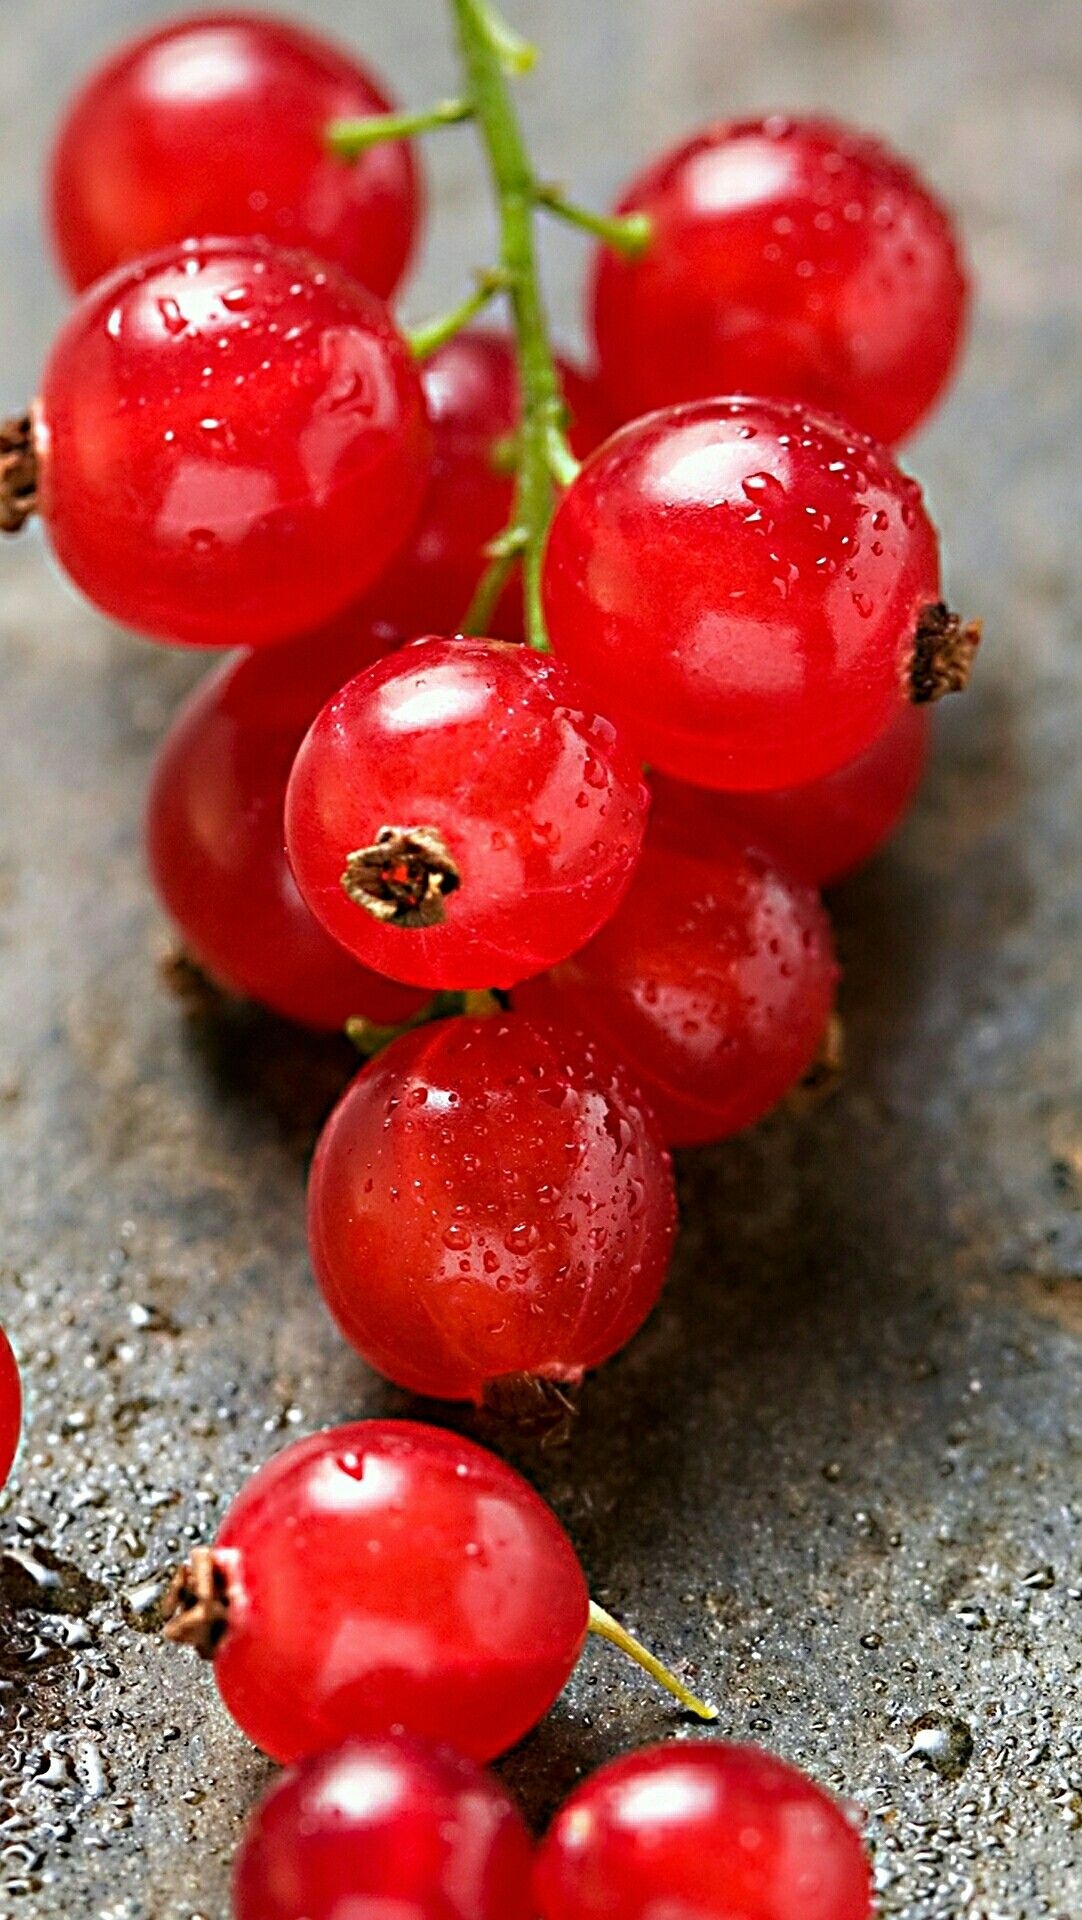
[[390, 1576], [490, 1199], [167, 498], [457, 817]]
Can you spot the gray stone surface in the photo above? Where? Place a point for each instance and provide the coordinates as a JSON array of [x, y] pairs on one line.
[[839, 1474]]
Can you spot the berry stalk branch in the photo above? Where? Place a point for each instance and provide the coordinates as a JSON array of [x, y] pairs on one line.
[[483, 45], [492, 54]]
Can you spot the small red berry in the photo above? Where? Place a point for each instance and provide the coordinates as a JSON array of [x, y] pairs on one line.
[[378, 1829], [753, 591], [490, 1199], [387, 1577], [460, 816], [820, 831], [231, 443], [471, 392], [795, 258], [11, 1407], [217, 124], [702, 1832], [215, 829], [713, 982]]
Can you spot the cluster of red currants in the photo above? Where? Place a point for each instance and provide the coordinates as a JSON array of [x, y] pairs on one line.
[[479, 589], [387, 1606]]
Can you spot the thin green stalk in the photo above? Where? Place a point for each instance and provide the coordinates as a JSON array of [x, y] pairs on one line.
[[626, 233], [426, 339], [488, 49], [348, 138], [607, 1628]]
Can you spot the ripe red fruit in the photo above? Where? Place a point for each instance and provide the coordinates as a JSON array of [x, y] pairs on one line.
[[713, 982], [386, 1577], [490, 1199], [385, 1827], [459, 816], [215, 831], [11, 1407], [702, 1832], [819, 831], [217, 124], [794, 258], [753, 591], [471, 392], [231, 443]]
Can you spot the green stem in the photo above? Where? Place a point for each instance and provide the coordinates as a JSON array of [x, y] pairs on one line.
[[607, 1628], [516, 55], [426, 339], [488, 50], [506, 553], [626, 233], [348, 138]]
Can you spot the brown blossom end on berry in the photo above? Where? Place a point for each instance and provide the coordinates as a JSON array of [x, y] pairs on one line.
[[943, 651], [404, 878], [196, 1607], [18, 473]]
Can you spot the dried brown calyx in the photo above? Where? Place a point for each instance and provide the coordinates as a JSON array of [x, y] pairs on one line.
[[196, 1607], [943, 651], [404, 878], [18, 473], [544, 1409]]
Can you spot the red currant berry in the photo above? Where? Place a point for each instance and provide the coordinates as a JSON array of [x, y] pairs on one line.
[[471, 391], [389, 1576], [217, 124], [386, 1827], [231, 443], [820, 831], [11, 1407], [216, 833], [702, 1832], [752, 590], [788, 257], [490, 1199], [714, 982], [459, 816]]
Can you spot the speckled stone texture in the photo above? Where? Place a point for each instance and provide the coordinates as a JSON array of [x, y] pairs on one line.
[[838, 1476]]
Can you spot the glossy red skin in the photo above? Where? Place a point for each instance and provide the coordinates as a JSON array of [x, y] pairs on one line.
[[471, 392], [739, 583], [11, 1407], [713, 983], [232, 442], [700, 1831], [215, 124], [538, 799], [490, 1198], [413, 1829], [215, 831], [819, 832], [796, 258], [390, 1577]]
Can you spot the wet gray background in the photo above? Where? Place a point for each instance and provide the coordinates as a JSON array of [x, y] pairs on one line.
[[839, 1472]]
